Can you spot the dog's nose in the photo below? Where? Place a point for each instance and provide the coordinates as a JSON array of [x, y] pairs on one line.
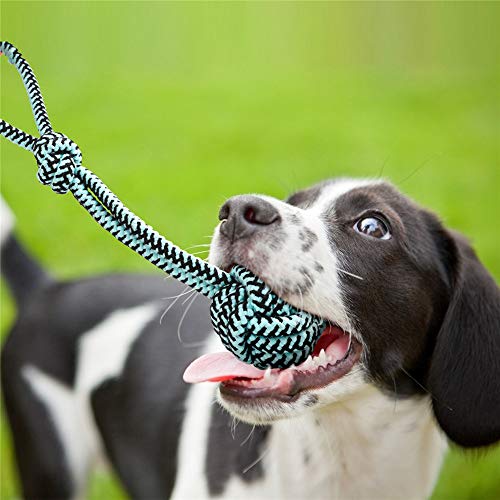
[[244, 215]]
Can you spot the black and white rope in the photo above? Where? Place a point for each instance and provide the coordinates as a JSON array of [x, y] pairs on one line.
[[252, 322]]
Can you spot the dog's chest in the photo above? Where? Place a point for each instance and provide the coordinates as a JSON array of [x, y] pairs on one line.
[[285, 465], [320, 455]]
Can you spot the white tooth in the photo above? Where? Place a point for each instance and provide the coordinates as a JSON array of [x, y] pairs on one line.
[[322, 356], [267, 374]]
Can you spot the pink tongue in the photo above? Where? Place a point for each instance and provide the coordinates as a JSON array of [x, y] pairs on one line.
[[218, 367]]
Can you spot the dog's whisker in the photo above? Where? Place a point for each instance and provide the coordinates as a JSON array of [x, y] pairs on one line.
[[186, 291], [234, 424], [198, 246], [349, 273], [200, 252], [256, 461], [181, 321], [170, 307], [249, 435], [381, 170], [419, 167], [188, 298], [425, 389]]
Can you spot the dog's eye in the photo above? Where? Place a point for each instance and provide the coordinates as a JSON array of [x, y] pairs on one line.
[[374, 227]]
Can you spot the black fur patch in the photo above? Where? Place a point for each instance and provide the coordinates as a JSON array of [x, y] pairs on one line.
[[308, 238], [233, 450], [427, 310]]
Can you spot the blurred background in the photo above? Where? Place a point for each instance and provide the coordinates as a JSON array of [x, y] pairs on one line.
[[178, 106]]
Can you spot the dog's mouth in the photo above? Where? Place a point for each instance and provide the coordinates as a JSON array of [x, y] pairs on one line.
[[335, 354]]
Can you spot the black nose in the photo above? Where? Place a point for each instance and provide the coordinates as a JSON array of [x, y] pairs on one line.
[[244, 215]]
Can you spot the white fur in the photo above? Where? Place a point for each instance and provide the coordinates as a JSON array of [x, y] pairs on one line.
[[69, 423], [322, 299], [361, 445], [191, 481], [102, 353], [7, 221], [104, 349], [333, 191]]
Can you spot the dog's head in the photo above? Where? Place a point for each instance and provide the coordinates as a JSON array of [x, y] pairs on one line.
[[411, 308]]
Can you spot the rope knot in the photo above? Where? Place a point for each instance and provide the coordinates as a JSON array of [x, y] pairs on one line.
[[260, 328], [57, 157]]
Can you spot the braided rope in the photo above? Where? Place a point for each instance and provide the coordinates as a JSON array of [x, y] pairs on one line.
[[253, 323]]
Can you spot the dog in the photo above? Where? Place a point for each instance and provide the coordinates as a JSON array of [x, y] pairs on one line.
[[409, 361]]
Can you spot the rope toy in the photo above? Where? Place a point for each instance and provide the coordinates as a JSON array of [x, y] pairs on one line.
[[253, 323]]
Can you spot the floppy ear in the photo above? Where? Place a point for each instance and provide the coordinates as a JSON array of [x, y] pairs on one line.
[[464, 373]]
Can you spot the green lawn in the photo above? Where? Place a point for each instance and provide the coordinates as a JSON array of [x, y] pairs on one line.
[[180, 105]]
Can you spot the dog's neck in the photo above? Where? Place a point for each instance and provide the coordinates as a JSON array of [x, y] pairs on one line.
[[368, 443]]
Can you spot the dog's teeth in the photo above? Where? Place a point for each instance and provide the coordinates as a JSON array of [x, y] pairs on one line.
[[322, 355], [267, 374], [306, 364]]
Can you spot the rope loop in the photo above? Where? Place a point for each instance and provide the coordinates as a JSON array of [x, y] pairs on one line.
[[253, 323], [57, 157]]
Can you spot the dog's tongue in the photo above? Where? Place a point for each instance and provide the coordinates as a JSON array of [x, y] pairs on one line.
[[218, 367]]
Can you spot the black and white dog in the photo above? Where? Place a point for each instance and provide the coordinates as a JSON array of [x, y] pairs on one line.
[[412, 356]]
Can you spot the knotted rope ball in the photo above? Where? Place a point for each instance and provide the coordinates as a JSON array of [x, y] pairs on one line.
[[253, 323], [258, 327], [57, 157]]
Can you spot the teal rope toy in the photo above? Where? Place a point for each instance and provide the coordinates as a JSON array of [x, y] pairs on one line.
[[253, 323]]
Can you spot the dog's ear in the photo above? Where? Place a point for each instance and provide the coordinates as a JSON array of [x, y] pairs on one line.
[[464, 374]]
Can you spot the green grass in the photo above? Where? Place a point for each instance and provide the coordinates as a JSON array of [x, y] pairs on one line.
[[178, 106]]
